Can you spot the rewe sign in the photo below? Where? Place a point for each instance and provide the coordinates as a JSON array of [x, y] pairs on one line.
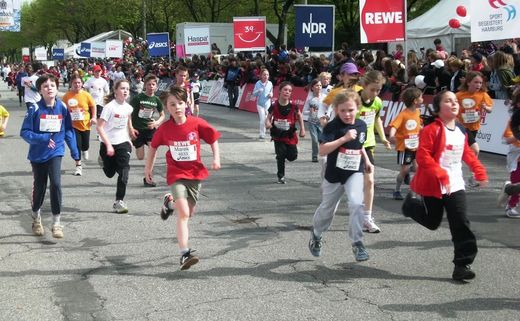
[[314, 26], [382, 20]]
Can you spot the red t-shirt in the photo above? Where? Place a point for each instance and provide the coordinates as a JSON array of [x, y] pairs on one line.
[[183, 141]]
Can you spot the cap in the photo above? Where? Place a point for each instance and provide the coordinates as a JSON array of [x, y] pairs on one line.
[[419, 81], [349, 68], [438, 63], [97, 68]]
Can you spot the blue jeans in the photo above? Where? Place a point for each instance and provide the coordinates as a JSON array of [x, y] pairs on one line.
[[315, 130]]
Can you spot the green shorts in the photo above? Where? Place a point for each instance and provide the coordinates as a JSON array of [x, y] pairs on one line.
[[188, 189]]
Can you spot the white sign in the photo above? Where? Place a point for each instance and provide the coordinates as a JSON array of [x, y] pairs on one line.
[[196, 40], [40, 53], [492, 126], [97, 49], [114, 48], [494, 19], [26, 51]]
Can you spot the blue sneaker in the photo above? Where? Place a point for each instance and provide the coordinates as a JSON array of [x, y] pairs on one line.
[[360, 253], [315, 245], [397, 196]]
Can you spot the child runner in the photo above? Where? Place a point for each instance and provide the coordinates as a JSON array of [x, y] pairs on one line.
[[195, 89], [46, 127], [474, 100], [311, 114], [115, 128], [82, 109], [4, 119], [404, 133], [181, 80], [145, 105], [371, 105], [342, 141], [264, 92], [325, 78], [282, 119], [443, 145], [182, 135]]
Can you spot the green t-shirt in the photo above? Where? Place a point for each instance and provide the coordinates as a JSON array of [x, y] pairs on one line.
[[369, 112], [144, 109]]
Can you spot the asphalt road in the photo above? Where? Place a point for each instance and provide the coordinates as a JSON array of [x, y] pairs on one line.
[[251, 235]]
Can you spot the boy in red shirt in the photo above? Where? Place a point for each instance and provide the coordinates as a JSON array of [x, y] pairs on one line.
[[185, 170]]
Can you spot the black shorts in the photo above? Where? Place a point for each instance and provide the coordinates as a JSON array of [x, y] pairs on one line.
[[406, 157], [196, 98], [145, 136], [370, 154], [472, 137]]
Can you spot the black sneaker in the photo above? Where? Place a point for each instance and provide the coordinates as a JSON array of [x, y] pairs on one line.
[[410, 204], [315, 159], [187, 260], [167, 208], [281, 180], [315, 245], [146, 184], [463, 273]]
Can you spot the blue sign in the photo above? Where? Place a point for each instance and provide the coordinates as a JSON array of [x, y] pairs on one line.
[[83, 50], [58, 54], [314, 26], [158, 44]]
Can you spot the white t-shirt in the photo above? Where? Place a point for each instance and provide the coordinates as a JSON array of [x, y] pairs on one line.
[[98, 88], [116, 117], [118, 75], [31, 96], [451, 158]]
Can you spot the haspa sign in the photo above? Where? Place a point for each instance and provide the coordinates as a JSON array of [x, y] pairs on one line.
[[382, 20], [249, 33]]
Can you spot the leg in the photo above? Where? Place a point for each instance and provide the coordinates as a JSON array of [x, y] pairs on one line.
[[122, 155], [109, 165], [139, 152], [463, 238], [354, 194], [55, 184], [261, 116], [40, 175], [515, 178], [314, 130], [230, 95], [428, 213], [331, 195], [291, 152], [235, 96], [281, 151]]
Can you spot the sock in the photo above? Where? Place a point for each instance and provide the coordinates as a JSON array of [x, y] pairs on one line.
[[184, 251], [317, 235], [368, 213], [56, 219], [36, 214], [398, 183]]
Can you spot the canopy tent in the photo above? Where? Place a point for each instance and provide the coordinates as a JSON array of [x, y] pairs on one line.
[[434, 23], [114, 34]]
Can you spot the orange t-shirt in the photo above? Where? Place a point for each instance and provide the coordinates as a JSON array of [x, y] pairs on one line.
[[334, 92], [508, 133], [79, 106], [470, 110], [408, 126]]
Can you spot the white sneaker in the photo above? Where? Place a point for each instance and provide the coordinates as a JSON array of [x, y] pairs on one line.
[[84, 155], [120, 207], [78, 171], [503, 197], [370, 226], [512, 213]]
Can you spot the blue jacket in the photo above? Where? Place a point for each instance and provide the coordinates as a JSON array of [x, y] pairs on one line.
[[262, 93], [38, 140]]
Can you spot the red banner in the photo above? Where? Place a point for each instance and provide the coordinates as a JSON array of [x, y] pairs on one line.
[[249, 33], [382, 20]]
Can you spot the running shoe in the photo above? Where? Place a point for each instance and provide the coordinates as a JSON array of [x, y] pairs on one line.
[[78, 171], [187, 260], [503, 197], [146, 184], [370, 226], [167, 207], [315, 245], [84, 155], [397, 196], [315, 159], [511, 212], [57, 231], [360, 253], [463, 272], [37, 227], [281, 180], [120, 207]]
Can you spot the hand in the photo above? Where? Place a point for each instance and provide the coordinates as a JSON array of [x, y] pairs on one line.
[[152, 124], [148, 175], [302, 132], [391, 139], [448, 189], [369, 168], [387, 144], [482, 183], [215, 165], [134, 133], [270, 95], [51, 144], [351, 135], [93, 121], [110, 151]]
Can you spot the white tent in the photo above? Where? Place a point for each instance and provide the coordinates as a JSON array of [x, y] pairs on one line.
[[114, 34], [434, 23]]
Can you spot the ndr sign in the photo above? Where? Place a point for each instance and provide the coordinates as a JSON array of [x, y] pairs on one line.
[[314, 26]]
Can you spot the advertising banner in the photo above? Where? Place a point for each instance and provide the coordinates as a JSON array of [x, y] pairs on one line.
[[83, 50], [114, 48], [196, 40], [158, 44], [58, 54], [494, 20], [26, 51], [40, 53], [314, 26], [10, 12], [97, 49], [249, 33], [382, 20]]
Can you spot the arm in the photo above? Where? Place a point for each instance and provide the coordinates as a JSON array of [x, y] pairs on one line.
[[93, 111], [369, 167], [131, 131], [329, 147], [300, 121], [150, 161], [269, 121], [155, 123], [216, 156], [391, 136], [103, 136], [257, 90], [487, 104], [70, 136], [381, 132], [474, 164], [3, 125], [28, 132]]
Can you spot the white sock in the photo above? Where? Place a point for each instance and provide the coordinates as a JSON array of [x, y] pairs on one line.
[[36, 214], [368, 213], [56, 219], [184, 251]]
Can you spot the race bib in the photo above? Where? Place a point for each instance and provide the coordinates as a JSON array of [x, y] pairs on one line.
[[282, 124], [120, 121], [183, 151], [368, 117], [77, 114], [471, 117], [145, 113], [348, 159], [411, 142], [50, 123], [453, 154]]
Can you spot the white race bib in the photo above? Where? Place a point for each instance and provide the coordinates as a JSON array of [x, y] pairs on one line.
[[282, 124], [453, 154], [120, 121], [77, 114], [471, 116], [50, 123], [348, 159], [145, 113], [411, 142], [368, 117], [184, 151]]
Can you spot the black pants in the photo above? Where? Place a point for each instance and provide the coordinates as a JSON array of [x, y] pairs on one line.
[[232, 90], [41, 171], [284, 151], [429, 214], [118, 163], [82, 140], [99, 110], [21, 93]]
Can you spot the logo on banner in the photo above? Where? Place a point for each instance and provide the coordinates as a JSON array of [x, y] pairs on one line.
[[249, 33], [381, 20], [510, 9], [196, 40], [58, 54], [496, 19], [314, 26], [83, 50], [158, 44]]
